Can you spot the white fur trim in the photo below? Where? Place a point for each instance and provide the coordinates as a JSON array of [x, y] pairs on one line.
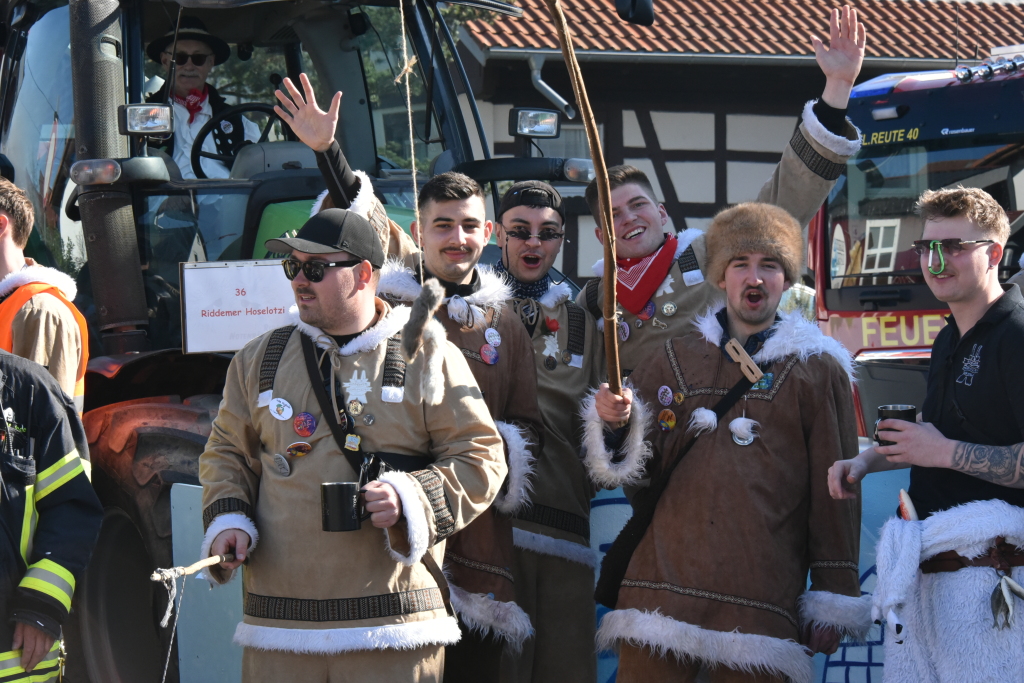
[[851, 616], [702, 420], [744, 428], [318, 203], [365, 198], [837, 144], [598, 460], [29, 274], [368, 340], [555, 547], [408, 489], [683, 240], [483, 614], [520, 468], [741, 651], [331, 641], [792, 335], [398, 282], [555, 296], [231, 520]]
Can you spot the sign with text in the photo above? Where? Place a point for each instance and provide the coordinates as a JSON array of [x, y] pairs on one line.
[[225, 304]]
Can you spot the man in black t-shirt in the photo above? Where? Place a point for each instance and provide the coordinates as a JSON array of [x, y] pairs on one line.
[[951, 620]]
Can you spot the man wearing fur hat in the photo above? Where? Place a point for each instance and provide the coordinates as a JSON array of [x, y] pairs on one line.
[[194, 100], [452, 232], [743, 512], [950, 568], [355, 390], [662, 279], [554, 565]]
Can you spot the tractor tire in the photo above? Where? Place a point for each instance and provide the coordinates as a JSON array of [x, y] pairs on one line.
[[138, 450]]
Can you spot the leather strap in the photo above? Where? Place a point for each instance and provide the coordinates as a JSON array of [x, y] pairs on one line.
[[317, 380], [1001, 556]]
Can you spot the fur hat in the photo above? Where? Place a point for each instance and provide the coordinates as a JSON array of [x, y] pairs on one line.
[[754, 228]]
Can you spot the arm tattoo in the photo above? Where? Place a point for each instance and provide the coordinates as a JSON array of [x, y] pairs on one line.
[[998, 464]]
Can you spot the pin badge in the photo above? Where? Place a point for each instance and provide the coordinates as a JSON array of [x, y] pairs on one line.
[[280, 409], [623, 331], [550, 363], [665, 396], [678, 397], [352, 442], [668, 309], [226, 126], [342, 419], [304, 424], [658, 324], [355, 407], [567, 357], [493, 337], [638, 323], [489, 354], [299, 449], [740, 441], [282, 465], [765, 383], [647, 313], [367, 419], [666, 420]]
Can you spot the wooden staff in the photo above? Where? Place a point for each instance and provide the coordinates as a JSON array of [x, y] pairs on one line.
[[604, 196]]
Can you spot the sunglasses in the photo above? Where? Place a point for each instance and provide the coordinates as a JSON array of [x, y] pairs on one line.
[[951, 246], [199, 58], [313, 270], [545, 235]]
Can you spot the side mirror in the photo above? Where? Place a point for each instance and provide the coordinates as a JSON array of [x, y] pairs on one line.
[[639, 12]]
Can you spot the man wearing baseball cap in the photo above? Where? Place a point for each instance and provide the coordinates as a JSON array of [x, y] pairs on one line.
[[553, 563], [194, 100], [351, 392]]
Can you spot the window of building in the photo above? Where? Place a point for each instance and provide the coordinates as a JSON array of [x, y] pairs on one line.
[[880, 247]]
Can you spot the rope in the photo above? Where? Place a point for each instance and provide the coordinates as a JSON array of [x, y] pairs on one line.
[[407, 72]]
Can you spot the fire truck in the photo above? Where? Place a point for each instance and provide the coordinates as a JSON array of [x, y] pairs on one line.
[[919, 131]]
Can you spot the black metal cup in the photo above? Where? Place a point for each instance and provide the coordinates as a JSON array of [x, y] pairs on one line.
[[341, 507], [893, 412]]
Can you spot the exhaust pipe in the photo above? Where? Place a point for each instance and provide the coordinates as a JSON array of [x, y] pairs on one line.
[[107, 216]]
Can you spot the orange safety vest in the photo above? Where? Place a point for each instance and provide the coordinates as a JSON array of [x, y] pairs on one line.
[[9, 308]]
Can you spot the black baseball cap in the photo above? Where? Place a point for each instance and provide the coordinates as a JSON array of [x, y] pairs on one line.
[[334, 230], [531, 193]]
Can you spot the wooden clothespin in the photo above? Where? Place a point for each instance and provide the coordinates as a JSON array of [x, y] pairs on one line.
[[747, 365]]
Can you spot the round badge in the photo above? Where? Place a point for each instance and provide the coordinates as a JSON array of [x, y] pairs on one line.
[[638, 323], [299, 449], [493, 337], [489, 354], [282, 465], [740, 441], [342, 420], [623, 331], [567, 356], [669, 309], [665, 396], [667, 420], [305, 424], [647, 312], [550, 363], [355, 407], [367, 419], [226, 126], [280, 409], [678, 397]]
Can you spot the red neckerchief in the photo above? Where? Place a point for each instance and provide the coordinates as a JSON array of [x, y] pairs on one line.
[[639, 278], [193, 103]]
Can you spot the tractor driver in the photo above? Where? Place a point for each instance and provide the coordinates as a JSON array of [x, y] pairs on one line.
[[195, 101]]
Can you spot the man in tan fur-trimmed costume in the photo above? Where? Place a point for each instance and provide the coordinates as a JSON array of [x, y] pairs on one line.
[[452, 232], [662, 279], [368, 604], [718, 579]]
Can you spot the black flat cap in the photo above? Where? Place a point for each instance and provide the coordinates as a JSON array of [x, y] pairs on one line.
[[334, 230], [531, 193]]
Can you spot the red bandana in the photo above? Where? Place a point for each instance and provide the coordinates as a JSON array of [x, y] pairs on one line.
[[193, 103], [639, 278]]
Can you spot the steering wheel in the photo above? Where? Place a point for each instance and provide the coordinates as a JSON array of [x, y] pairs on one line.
[[228, 159]]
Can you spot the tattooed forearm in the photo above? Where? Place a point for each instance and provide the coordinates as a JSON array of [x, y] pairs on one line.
[[999, 464]]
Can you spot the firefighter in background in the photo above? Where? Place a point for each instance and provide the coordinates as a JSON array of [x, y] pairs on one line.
[[51, 515], [37, 319]]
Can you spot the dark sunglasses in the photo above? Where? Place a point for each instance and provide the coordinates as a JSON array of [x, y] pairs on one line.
[[545, 235], [313, 270], [951, 246], [199, 58]]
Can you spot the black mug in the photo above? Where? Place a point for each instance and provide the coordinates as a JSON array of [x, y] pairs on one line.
[[893, 412], [341, 508]]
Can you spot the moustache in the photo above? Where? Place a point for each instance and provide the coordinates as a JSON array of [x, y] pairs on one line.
[[459, 250], [759, 289]]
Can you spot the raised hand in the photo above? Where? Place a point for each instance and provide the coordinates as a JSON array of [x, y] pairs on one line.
[[311, 124], [842, 59]]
